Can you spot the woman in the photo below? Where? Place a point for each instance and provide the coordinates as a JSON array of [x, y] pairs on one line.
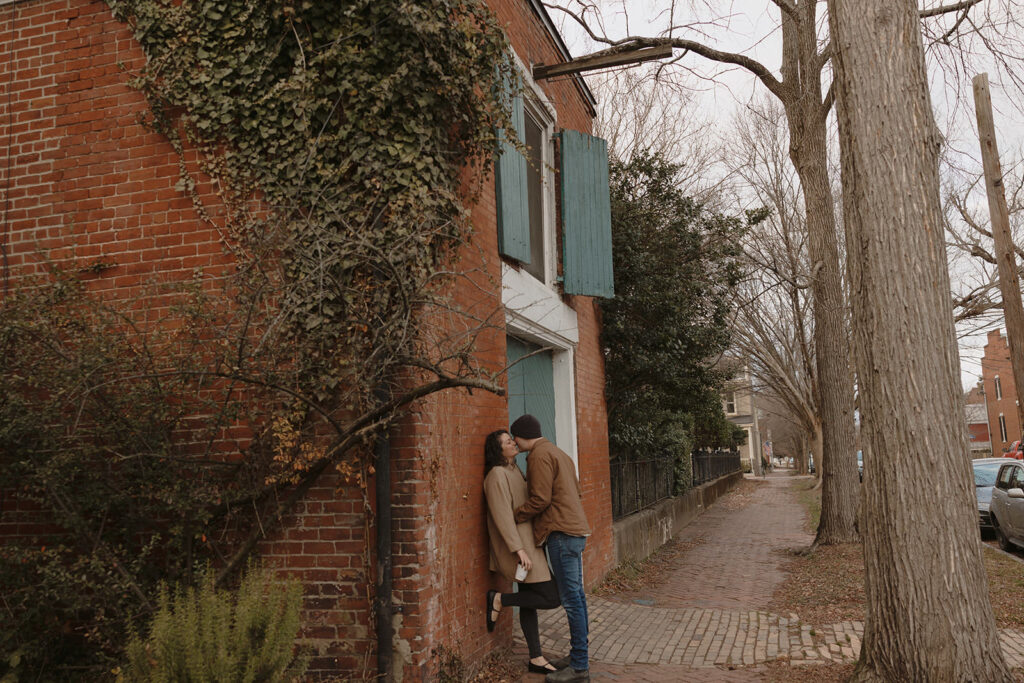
[[512, 544]]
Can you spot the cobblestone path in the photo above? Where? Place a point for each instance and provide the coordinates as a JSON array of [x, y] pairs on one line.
[[708, 619]]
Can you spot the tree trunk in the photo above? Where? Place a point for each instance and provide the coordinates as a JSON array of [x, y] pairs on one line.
[[817, 449], [928, 616], [800, 461], [836, 464]]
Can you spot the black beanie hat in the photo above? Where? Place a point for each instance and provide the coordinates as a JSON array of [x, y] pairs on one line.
[[526, 427]]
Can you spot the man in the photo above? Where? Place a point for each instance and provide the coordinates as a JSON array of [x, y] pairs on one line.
[[556, 508]]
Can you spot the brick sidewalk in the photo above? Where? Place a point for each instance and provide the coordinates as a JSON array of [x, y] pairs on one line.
[[708, 619]]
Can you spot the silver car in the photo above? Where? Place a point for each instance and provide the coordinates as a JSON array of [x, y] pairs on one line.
[[1007, 506], [985, 472]]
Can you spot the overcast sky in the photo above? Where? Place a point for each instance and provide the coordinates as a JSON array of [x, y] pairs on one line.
[[750, 27]]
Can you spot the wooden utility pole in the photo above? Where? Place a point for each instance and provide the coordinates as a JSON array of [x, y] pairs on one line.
[[1009, 285]]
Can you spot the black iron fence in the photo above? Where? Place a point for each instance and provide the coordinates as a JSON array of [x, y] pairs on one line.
[[640, 484], [709, 465]]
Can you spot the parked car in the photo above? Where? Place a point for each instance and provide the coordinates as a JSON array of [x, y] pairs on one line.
[[860, 464], [985, 471], [1007, 506]]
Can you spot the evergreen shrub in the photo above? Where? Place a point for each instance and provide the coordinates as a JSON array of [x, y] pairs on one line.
[[229, 636]]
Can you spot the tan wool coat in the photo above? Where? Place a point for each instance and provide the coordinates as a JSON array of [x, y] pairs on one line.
[[505, 489], [555, 500]]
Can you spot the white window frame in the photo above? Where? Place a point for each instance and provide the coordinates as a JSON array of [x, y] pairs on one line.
[[534, 310], [999, 388], [537, 105], [731, 400], [1002, 427], [535, 313]]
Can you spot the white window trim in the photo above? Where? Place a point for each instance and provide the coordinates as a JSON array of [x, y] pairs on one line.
[[998, 387], [537, 101], [537, 314]]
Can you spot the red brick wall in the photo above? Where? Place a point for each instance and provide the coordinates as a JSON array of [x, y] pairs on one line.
[[978, 432], [443, 575], [996, 363], [88, 182]]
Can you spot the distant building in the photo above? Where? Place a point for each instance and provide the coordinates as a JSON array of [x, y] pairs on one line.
[[740, 405], [978, 434], [1000, 393]]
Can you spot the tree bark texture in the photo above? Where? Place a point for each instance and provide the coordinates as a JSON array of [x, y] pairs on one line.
[[928, 616], [807, 116]]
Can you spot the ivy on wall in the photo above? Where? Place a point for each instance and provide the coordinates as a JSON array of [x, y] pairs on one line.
[[351, 124], [329, 143]]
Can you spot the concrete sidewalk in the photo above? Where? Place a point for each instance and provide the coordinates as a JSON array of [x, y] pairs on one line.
[[708, 620]]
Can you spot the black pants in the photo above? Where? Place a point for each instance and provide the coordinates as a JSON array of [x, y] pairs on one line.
[[530, 598]]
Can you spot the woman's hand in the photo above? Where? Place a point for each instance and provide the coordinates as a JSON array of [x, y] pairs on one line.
[[524, 559]]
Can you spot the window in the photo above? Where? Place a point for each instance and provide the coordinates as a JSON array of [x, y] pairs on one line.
[[999, 390], [1017, 478], [730, 403], [1003, 481], [525, 198], [1002, 428], [538, 136]]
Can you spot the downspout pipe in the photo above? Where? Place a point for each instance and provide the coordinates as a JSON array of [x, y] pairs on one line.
[[383, 606]]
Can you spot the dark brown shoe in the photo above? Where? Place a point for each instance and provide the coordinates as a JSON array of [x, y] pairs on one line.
[[560, 663], [567, 675]]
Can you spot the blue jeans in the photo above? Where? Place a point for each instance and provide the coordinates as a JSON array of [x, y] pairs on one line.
[[566, 555]]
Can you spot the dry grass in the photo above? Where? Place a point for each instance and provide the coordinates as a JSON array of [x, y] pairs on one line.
[[810, 498], [783, 672], [824, 587], [1005, 589], [827, 586], [502, 666]]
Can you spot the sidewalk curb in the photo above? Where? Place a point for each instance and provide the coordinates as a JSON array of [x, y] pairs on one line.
[[1001, 552]]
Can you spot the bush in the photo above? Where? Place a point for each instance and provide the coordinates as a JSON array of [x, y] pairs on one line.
[[206, 634], [676, 268]]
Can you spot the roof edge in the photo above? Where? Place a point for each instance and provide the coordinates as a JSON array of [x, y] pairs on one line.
[[542, 13]]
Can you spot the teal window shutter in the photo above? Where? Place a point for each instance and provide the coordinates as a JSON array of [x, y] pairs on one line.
[[586, 215], [510, 190]]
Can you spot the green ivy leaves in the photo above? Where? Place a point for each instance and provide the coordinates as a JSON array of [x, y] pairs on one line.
[[352, 122]]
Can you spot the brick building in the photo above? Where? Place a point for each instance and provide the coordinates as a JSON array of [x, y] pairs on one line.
[[1000, 393], [978, 435], [86, 180]]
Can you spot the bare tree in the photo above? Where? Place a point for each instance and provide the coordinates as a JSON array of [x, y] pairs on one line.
[[640, 111], [976, 300], [928, 616], [798, 88], [773, 325]]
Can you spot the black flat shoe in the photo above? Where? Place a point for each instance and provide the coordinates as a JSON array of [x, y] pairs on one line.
[[541, 668], [490, 608]]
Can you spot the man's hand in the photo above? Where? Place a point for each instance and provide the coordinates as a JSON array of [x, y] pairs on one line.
[[524, 559]]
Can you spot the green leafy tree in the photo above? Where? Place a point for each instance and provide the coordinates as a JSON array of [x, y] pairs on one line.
[[675, 267]]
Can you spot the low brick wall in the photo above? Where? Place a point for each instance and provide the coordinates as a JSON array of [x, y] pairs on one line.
[[640, 534]]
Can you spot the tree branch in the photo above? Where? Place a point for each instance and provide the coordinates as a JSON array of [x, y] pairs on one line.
[[946, 9], [632, 42]]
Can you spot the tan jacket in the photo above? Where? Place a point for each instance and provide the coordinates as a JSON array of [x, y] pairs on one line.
[[556, 501], [505, 489]]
